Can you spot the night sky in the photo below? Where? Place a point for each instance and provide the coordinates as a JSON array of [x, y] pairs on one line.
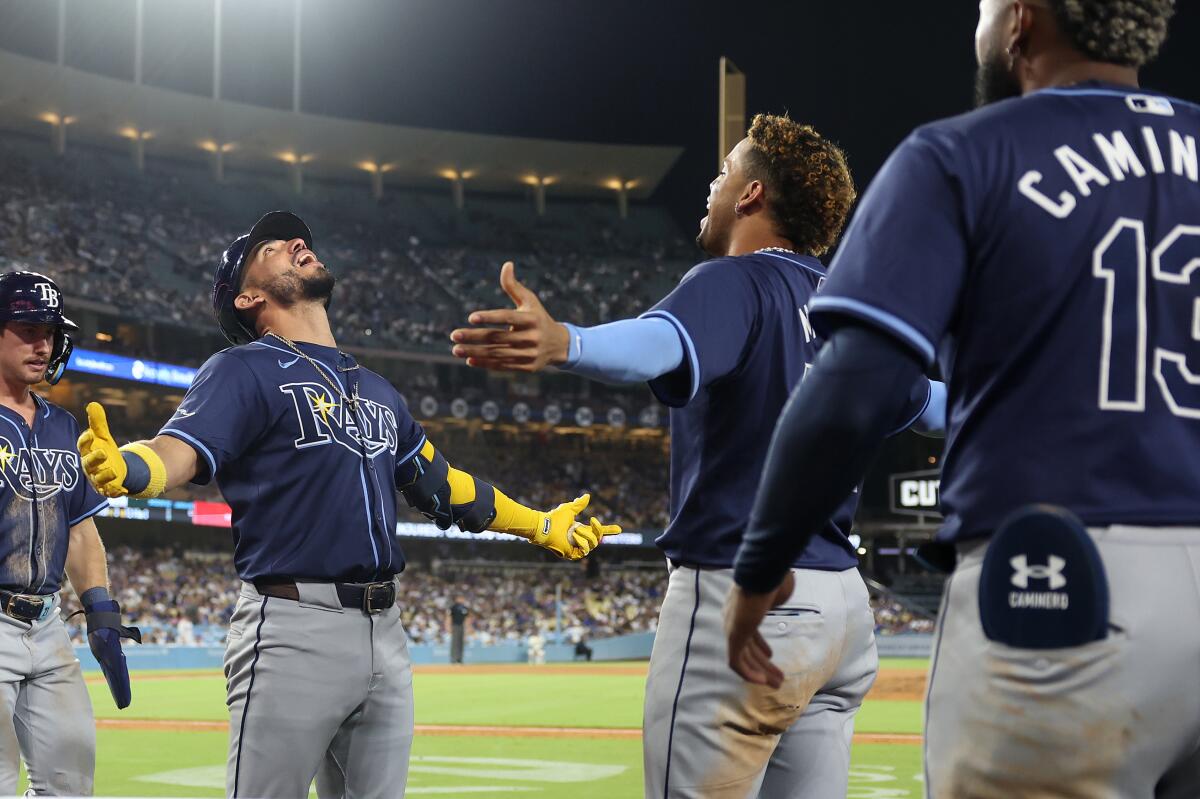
[[864, 72]]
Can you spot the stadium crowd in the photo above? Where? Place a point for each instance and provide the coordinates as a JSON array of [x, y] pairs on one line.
[[186, 597], [148, 243], [893, 618]]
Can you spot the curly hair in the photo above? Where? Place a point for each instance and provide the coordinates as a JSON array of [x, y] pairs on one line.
[[808, 185], [1124, 32]]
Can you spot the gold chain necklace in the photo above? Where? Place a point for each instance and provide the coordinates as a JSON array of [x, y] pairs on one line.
[[352, 401]]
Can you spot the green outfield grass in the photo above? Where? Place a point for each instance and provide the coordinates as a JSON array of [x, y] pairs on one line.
[[143, 762]]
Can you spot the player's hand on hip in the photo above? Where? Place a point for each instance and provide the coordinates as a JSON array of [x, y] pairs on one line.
[[567, 538], [749, 653], [102, 461], [522, 339]]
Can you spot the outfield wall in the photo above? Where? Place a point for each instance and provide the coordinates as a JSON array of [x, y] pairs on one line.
[[625, 647]]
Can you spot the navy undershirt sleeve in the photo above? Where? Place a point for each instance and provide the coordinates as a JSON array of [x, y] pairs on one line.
[[826, 437]]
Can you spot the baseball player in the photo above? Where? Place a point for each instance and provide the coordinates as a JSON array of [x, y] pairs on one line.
[[724, 350], [309, 449], [1050, 268], [46, 528]]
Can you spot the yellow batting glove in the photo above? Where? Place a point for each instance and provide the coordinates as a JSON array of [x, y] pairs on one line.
[[102, 461], [567, 538]]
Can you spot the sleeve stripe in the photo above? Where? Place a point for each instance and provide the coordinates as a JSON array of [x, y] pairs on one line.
[[208, 456], [888, 321], [415, 450], [693, 360], [103, 504]]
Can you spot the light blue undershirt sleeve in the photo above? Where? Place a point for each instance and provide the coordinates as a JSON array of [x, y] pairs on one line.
[[628, 351], [932, 422]]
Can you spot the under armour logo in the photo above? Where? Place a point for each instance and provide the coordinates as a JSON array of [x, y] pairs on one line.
[[49, 294], [1052, 571]]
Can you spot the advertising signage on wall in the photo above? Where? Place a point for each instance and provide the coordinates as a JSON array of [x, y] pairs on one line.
[[218, 514], [916, 493], [135, 369]]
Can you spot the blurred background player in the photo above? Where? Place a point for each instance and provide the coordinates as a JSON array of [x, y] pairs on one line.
[[46, 529], [1049, 267], [309, 449], [724, 350], [457, 622]]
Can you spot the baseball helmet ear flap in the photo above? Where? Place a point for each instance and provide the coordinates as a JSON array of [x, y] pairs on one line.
[[226, 286], [61, 355]]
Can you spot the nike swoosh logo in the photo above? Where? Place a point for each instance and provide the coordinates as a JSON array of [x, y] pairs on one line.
[[182, 414], [285, 365]]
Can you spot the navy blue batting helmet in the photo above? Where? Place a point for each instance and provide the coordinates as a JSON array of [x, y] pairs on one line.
[[35, 298], [277, 225]]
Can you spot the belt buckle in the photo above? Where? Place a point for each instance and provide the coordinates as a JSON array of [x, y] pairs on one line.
[[378, 597], [23, 608]]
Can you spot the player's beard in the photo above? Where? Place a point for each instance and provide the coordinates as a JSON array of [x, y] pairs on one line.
[[293, 287], [994, 81]]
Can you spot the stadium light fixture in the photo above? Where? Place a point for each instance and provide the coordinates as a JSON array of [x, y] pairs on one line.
[[457, 174], [55, 119], [616, 184], [132, 133]]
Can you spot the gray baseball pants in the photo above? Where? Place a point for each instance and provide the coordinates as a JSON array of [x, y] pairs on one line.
[[708, 734], [316, 691], [1112, 719], [45, 713]]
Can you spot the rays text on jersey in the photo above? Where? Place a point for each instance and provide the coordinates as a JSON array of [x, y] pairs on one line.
[[39, 471], [1110, 158], [325, 419]]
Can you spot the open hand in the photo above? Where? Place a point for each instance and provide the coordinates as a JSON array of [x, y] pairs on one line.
[[527, 339], [749, 654]]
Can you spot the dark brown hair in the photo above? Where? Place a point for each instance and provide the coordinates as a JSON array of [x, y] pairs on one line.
[[808, 185]]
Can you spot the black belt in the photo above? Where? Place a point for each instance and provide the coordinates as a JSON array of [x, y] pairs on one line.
[[23, 607], [683, 564], [368, 597]]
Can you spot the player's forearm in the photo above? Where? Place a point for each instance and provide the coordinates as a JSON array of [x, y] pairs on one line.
[[178, 463], [628, 351], [508, 515], [86, 565], [824, 441]]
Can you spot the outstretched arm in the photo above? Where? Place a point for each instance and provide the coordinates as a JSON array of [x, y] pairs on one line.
[[450, 496], [626, 351], [142, 469]]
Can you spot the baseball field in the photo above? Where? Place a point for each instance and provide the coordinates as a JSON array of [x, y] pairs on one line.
[[563, 730]]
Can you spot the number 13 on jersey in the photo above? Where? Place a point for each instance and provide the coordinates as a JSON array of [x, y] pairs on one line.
[[1143, 284]]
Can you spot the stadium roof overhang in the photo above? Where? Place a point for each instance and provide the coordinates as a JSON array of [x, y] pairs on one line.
[[35, 95]]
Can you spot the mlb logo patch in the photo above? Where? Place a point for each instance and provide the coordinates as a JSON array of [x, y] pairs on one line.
[[1150, 104], [1043, 584]]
